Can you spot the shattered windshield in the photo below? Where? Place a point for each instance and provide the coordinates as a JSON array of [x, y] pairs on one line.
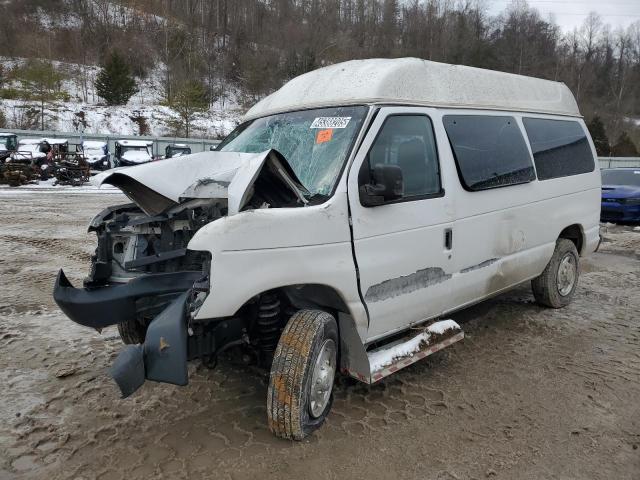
[[314, 142]]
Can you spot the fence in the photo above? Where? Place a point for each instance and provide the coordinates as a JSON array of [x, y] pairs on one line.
[[159, 143], [615, 162], [200, 145]]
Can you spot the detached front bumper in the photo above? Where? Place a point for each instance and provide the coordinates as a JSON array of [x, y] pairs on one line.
[[163, 355], [103, 306]]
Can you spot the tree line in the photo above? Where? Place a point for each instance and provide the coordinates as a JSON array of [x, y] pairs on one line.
[[208, 49]]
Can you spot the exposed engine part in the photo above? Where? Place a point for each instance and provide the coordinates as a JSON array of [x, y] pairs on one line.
[[131, 242]]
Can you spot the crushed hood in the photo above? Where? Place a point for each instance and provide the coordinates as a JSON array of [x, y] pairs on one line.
[[158, 186]]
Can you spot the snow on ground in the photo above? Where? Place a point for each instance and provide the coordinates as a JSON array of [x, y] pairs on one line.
[[49, 186], [83, 111], [123, 120]]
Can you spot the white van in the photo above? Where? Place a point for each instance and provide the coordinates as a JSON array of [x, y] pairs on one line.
[[335, 228]]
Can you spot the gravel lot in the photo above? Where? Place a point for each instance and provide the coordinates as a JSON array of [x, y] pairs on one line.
[[530, 393]]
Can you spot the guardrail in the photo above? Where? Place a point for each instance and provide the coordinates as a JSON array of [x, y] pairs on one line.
[[616, 162], [159, 143], [203, 144]]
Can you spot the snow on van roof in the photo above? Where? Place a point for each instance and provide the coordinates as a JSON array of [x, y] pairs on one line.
[[412, 81], [4, 134]]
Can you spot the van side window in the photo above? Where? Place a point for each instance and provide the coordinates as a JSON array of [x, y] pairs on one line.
[[408, 142], [560, 147], [490, 151]]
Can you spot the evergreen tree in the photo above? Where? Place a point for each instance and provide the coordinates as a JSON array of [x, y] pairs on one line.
[[190, 99], [115, 83], [625, 147], [599, 136]]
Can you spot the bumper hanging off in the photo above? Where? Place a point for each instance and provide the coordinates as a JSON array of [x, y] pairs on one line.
[[109, 305], [163, 355]]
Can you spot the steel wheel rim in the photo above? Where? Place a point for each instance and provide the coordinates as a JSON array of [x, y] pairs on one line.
[[324, 371], [566, 278]]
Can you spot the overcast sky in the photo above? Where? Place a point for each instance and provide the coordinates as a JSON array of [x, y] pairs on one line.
[[571, 13]]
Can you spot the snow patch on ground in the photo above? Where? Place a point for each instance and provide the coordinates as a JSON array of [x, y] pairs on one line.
[[121, 120], [49, 186], [85, 112]]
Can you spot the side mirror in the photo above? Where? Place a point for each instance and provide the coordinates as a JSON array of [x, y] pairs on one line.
[[386, 185]]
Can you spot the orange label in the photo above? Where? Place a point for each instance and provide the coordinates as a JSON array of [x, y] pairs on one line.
[[324, 135]]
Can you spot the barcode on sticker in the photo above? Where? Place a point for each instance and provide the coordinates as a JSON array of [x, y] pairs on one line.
[[330, 122]]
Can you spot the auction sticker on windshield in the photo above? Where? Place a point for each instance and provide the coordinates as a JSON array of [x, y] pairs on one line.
[[324, 135], [330, 122]]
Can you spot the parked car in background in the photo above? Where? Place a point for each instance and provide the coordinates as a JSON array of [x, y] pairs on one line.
[[620, 195], [8, 144], [97, 154], [33, 150], [177, 150], [132, 152], [29, 162]]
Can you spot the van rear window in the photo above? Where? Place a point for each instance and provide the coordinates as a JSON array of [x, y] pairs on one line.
[[560, 147], [490, 151]]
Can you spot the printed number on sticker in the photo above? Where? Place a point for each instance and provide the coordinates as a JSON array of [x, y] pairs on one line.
[[330, 122]]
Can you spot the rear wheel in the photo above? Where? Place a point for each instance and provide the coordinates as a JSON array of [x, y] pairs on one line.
[[557, 283], [301, 383]]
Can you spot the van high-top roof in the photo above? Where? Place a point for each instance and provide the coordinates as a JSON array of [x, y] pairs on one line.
[[412, 81]]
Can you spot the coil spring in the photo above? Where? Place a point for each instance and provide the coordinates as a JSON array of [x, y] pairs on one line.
[[268, 323]]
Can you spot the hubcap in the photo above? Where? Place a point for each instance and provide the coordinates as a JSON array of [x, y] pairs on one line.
[[322, 377], [567, 271]]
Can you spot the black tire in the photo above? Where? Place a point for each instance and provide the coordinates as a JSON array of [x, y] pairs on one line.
[[545, 287], [132, 332], [288, 397]]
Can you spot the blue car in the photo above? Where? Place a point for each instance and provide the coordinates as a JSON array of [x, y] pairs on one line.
[[620, 195]]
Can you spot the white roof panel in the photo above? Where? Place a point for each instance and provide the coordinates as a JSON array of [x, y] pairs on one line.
[[413, 81]]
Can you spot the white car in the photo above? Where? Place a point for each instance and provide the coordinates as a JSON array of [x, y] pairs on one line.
[[97, 154], [336, 227], [132, 152], [29, 150]]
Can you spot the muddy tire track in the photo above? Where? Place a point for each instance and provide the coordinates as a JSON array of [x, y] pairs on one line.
[[530, 393]]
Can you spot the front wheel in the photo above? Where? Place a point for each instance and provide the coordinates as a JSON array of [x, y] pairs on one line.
[[304, 366], [132, 332], [557, 283]]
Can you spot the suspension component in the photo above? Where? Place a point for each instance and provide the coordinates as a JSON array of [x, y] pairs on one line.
[[268, 323]]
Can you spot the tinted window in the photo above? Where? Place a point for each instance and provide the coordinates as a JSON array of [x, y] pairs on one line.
[[560, 148], [490, 151], [408, 142], [629, 176]]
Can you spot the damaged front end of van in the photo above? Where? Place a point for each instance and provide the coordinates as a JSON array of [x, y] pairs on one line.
[[146, 279]]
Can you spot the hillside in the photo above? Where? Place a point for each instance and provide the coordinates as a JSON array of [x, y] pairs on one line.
[[238, 51]]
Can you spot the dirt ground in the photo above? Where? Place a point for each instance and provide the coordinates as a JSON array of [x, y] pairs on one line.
[[530, 393]]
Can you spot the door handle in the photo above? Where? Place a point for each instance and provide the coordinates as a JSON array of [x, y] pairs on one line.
[[448, 239]]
